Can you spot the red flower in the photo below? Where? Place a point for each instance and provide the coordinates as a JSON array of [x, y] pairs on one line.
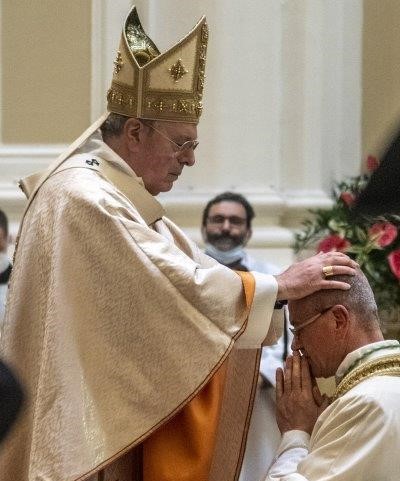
[[383, 233], [333, 243], [394, 262], [372, 163], [348, 198]]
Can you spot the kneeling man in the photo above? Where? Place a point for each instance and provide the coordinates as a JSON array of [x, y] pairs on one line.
[[357, 437]]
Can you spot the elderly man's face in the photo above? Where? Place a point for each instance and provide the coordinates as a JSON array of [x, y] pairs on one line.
[[318, 340], [160, 161], [226, 225]]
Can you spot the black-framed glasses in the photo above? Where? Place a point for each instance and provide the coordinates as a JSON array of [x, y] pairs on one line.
[[295, 330], [189, 144], [232, 219]]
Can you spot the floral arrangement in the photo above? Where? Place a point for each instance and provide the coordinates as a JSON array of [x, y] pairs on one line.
[[374, 242]]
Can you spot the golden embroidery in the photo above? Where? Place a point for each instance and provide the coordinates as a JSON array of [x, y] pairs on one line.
[[140, 44], [154, 88], [119, 97], [382, 366], [158, 105], [178, 70], [183, 106], [118, 63], [202, 61]]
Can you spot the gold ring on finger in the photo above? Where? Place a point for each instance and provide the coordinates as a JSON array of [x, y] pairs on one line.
[[327, 271]]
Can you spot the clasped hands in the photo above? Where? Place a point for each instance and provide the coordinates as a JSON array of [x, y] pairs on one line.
[[298, 399]]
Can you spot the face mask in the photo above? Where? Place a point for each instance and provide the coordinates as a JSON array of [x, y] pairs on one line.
[[225, 257]]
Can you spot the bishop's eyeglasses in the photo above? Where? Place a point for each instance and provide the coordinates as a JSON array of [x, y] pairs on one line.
[[295, 330], [189, 144]]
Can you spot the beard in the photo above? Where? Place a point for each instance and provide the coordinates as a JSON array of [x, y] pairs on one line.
[[225, 241]]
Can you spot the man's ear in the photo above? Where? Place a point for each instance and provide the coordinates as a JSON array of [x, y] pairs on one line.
[[133, 132], [342, 319]]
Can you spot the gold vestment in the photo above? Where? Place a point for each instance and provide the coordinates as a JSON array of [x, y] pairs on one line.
[[115, 321]]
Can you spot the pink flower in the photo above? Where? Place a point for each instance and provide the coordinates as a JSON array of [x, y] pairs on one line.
[[394, 262], [348, 198], [372, 163], [383, 233], [333, 242]]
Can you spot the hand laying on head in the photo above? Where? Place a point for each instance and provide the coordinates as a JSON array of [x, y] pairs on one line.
[[303, 278], [298, 400]]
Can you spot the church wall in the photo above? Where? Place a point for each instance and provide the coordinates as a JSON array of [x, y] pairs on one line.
[[380, 75], [282, 101], [45, 74]]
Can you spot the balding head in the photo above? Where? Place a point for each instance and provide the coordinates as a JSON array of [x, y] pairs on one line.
[[359, 299], [332, 323]]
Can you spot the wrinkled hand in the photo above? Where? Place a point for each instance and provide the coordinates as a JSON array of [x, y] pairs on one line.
[[298, 400], [303, 278]]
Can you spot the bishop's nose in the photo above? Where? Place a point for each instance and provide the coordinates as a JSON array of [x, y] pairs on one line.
[[187, 157]]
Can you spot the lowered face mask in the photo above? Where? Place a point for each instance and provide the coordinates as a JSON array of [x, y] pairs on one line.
[[225, 257]]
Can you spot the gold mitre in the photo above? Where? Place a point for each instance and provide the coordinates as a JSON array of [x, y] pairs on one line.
[[151, 85]]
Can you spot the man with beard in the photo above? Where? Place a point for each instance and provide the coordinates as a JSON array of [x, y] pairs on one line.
[[226, 229]]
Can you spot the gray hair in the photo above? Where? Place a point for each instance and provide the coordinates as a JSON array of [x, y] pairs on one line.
[[359, 299], [114, 125]]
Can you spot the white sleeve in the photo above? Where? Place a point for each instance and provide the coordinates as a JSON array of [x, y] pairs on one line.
[[293, 448], [348, 443], [271, 360], [261, 311]]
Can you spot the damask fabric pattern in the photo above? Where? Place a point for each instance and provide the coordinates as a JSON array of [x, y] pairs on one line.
[[92, 344], [356, 438]]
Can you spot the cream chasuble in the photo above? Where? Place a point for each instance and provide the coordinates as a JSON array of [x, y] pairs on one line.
[[357, 437], [115, 321]]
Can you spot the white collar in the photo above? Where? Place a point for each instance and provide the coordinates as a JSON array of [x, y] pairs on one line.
[[97, 147], [364, 353], [149, 208]]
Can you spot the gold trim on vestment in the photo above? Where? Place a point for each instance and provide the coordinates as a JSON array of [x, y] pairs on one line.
[[383, 366], [159, 86]]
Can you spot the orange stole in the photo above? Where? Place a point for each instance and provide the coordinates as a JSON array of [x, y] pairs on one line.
[[183, 448]]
